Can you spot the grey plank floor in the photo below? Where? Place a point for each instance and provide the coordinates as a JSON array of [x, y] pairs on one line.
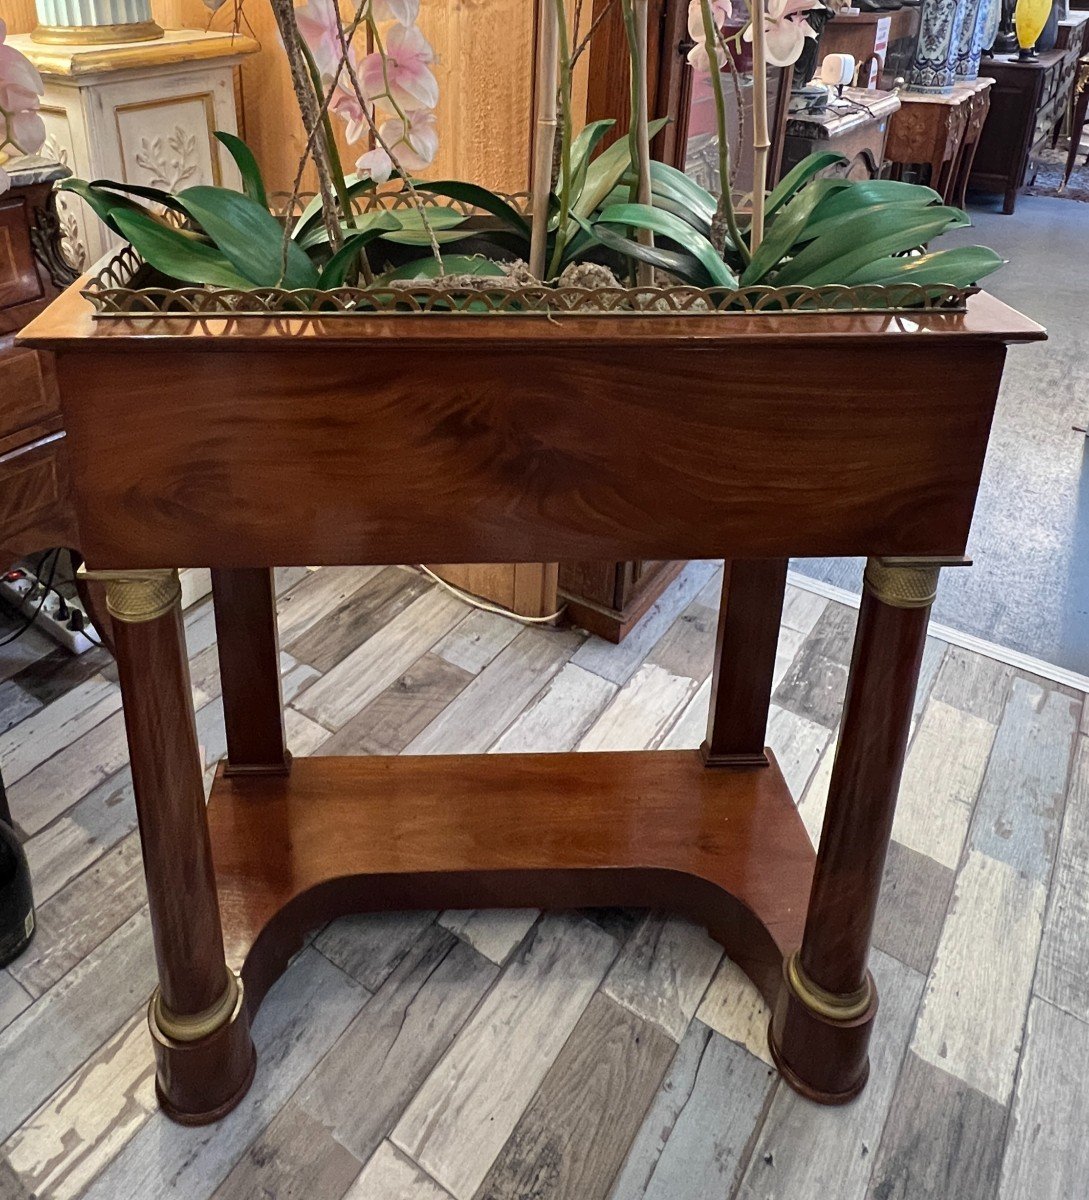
[[609, 1055]]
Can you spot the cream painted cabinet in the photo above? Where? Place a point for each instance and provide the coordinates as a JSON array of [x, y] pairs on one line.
[[143, 113]]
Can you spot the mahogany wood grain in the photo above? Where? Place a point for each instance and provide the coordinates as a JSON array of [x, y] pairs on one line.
[[200, 1080], [166, 777], [749, 616], [550, 441], [36, 512], [862, 794], [823, 1057], [523, 830], [249, 669], [240, 445]]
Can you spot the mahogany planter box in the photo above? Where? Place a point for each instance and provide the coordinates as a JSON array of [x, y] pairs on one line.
[[242, 443]]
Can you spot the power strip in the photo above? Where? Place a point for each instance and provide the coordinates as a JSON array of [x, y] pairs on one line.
[[20, 590]]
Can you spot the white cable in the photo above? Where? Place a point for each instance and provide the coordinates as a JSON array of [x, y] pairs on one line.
[[487, 606]]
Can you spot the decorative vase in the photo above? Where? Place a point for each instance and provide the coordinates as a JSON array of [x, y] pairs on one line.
[[83, 22], [933, 69], [1049, 35], [972, 32], [992, 24], [1029, 19]]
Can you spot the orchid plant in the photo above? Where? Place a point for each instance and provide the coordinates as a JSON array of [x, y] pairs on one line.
[[21, 128], [595, 214]]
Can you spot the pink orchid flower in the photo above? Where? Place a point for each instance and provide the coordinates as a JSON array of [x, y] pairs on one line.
[[698, 56], [318, 26], [21, 128], [415, 146], [403, 11], [785, 30], [405, 75]]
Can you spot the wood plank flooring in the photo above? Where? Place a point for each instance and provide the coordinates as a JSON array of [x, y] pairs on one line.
[[590, 1055]]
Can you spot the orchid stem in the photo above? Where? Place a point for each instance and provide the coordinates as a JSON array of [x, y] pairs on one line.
[[724, 214], [635, 25]]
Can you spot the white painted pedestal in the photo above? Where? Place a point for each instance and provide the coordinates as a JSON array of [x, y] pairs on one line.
[[142, 112]]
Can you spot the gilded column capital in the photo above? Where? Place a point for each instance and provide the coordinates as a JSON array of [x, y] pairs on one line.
[[140, 595], [902, 584]]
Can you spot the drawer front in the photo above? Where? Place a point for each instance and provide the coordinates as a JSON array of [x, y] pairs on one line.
[[28, 385], [35, 505], [19, 282]]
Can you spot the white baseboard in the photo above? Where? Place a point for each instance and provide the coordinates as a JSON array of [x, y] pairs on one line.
[[967, 641]]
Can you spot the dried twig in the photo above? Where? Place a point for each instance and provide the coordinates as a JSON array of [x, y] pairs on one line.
[[584, 42], [305, 96], [368, 114]]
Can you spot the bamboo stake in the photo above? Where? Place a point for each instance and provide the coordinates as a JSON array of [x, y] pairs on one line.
[[761, 142], [640, 124], [284, 12], [547, 67]]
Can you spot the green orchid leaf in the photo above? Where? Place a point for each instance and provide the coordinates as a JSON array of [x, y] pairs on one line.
[[155, 195], [862, 193], [685, 267], [482, 198], [642, 216], [380, 218], [686, 213], [787, 227], [963, 266], [452, 264], [252, 183], [177, 254], [606, 171], [311, 214], [582, 243], [837, 256], [420, 237], [821, 224], [583, 146], [250, 237], [677, 185], [800, 175], [337, 269], [104, 204]]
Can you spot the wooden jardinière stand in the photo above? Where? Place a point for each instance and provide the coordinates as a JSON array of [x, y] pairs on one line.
[[244, 444]]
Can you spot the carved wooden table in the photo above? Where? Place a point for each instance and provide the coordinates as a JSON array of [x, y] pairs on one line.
[[858, 132], [247, 443], [1079, 110], [934, 130]]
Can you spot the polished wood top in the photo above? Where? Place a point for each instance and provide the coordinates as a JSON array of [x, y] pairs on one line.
[[69, 323]]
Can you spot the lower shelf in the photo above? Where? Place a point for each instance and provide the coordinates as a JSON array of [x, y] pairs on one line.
[[653, 829]]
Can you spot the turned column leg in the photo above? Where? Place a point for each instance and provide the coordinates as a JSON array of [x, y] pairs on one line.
[[197, 1014], [820, 1030], [249, 670], [749, 616]]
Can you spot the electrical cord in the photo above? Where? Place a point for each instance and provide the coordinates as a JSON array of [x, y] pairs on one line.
[[486, 606], [46, 587]]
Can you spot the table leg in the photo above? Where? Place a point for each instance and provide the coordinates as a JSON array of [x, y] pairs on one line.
[[249, 669], [1077, 126], [748, 634], [821, 1027], [198, 1019]]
